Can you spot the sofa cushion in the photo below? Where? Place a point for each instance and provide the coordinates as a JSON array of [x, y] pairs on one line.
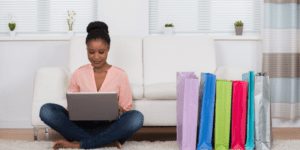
[[77, 53], [35, 118], [166, 55], [157, 112], [125, 52], [137, 91], [161, 91]]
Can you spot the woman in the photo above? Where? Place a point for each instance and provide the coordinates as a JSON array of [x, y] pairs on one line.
[[99, 76]]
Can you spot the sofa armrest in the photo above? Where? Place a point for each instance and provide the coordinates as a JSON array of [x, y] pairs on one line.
[[230, 73], [49, 87]]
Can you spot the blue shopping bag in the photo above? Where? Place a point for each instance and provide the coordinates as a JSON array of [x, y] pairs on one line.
[[206, 111], [250, 77]]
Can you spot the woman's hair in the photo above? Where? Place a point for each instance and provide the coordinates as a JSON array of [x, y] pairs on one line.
[[97, 30]]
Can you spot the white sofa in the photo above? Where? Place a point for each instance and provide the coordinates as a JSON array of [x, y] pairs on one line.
[[151, 64]]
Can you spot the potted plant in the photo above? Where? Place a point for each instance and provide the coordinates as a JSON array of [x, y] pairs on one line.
[[12, 26], [71, 20], [238, 27], [169, 28]]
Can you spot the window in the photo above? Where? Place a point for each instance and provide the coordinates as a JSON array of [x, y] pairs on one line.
[[36, 16], [204, 16], [23, 13]]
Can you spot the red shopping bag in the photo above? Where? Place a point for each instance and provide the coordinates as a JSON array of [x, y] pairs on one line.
[[239, 114]]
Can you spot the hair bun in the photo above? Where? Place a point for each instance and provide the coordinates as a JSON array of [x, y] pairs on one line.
[[97, 25]]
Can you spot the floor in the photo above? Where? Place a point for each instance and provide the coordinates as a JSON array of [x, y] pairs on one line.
[[146, 133]]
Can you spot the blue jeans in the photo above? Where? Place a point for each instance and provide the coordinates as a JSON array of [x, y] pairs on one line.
[[91, 134]]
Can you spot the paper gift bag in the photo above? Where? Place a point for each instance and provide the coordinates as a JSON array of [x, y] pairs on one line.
[[250, 143], [239, 114], [187, 110], [222, 114], [262, 112], [206, 112]]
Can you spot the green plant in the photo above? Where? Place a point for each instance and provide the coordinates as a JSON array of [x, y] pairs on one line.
[[238, 23], [12, 26], [169, 25]]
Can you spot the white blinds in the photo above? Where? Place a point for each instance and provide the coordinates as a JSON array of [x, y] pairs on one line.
[[181, 13], [23, 12], [46, 15], [85, 13], [225, 12], [198, 16]]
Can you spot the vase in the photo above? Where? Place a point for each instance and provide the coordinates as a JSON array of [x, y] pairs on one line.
[[70, 32], [12, 33], [169, 30], [239, 30]]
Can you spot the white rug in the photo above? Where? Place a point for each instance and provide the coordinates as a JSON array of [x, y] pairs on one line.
[[131, 145]]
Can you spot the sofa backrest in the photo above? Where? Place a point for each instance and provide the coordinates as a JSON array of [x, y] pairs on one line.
[[166, 55], [77, 53], [152, 62], [125, 52]]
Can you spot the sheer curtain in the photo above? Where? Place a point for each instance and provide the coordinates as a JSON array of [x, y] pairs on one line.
[[281, 56]]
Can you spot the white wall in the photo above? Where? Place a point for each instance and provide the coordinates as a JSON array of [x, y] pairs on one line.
[[19, 61]]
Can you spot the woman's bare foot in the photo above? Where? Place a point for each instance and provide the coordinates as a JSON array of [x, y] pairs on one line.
[[118, 144], [65, 144], [115, 144]]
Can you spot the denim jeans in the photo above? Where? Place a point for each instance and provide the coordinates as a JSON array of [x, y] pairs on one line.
[[91, 134]]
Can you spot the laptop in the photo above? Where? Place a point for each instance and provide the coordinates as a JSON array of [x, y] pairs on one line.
[[99, 106]]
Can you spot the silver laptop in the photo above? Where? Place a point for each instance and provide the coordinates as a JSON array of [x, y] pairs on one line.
[[93, 106]]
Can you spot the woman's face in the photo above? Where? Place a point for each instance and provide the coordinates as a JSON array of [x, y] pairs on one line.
[[97, 52]]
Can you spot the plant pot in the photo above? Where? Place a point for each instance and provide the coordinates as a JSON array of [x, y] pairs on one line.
[[169, 30], [239, 30], [12, 33], [70, 33]]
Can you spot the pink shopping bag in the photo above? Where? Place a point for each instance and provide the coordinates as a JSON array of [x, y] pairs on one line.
[[239, 114], [187, 110]]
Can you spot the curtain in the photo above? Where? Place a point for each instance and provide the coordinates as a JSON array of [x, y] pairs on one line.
[[281, 56]]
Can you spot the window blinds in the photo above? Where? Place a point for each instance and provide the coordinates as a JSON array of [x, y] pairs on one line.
[[200, 16], [46, 15]]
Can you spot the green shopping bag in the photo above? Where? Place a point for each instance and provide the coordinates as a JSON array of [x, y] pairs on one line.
[[223, 114]]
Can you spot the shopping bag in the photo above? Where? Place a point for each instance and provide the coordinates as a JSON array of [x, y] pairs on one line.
[[250, 77], [262, 112], [206, 111], [222, 114], [239, 114], [187, 110]]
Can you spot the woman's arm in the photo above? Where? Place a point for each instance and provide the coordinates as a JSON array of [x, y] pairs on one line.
[[73, 86], [125, 94]]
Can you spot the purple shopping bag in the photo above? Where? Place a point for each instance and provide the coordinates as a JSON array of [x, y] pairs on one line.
[[187, 110]]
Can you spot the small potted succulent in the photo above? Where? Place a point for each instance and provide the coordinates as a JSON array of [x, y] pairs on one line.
[[169, 28], [238, 27], [12, 26]]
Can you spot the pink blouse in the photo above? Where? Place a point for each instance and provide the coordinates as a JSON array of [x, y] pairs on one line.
[[116, 80]]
